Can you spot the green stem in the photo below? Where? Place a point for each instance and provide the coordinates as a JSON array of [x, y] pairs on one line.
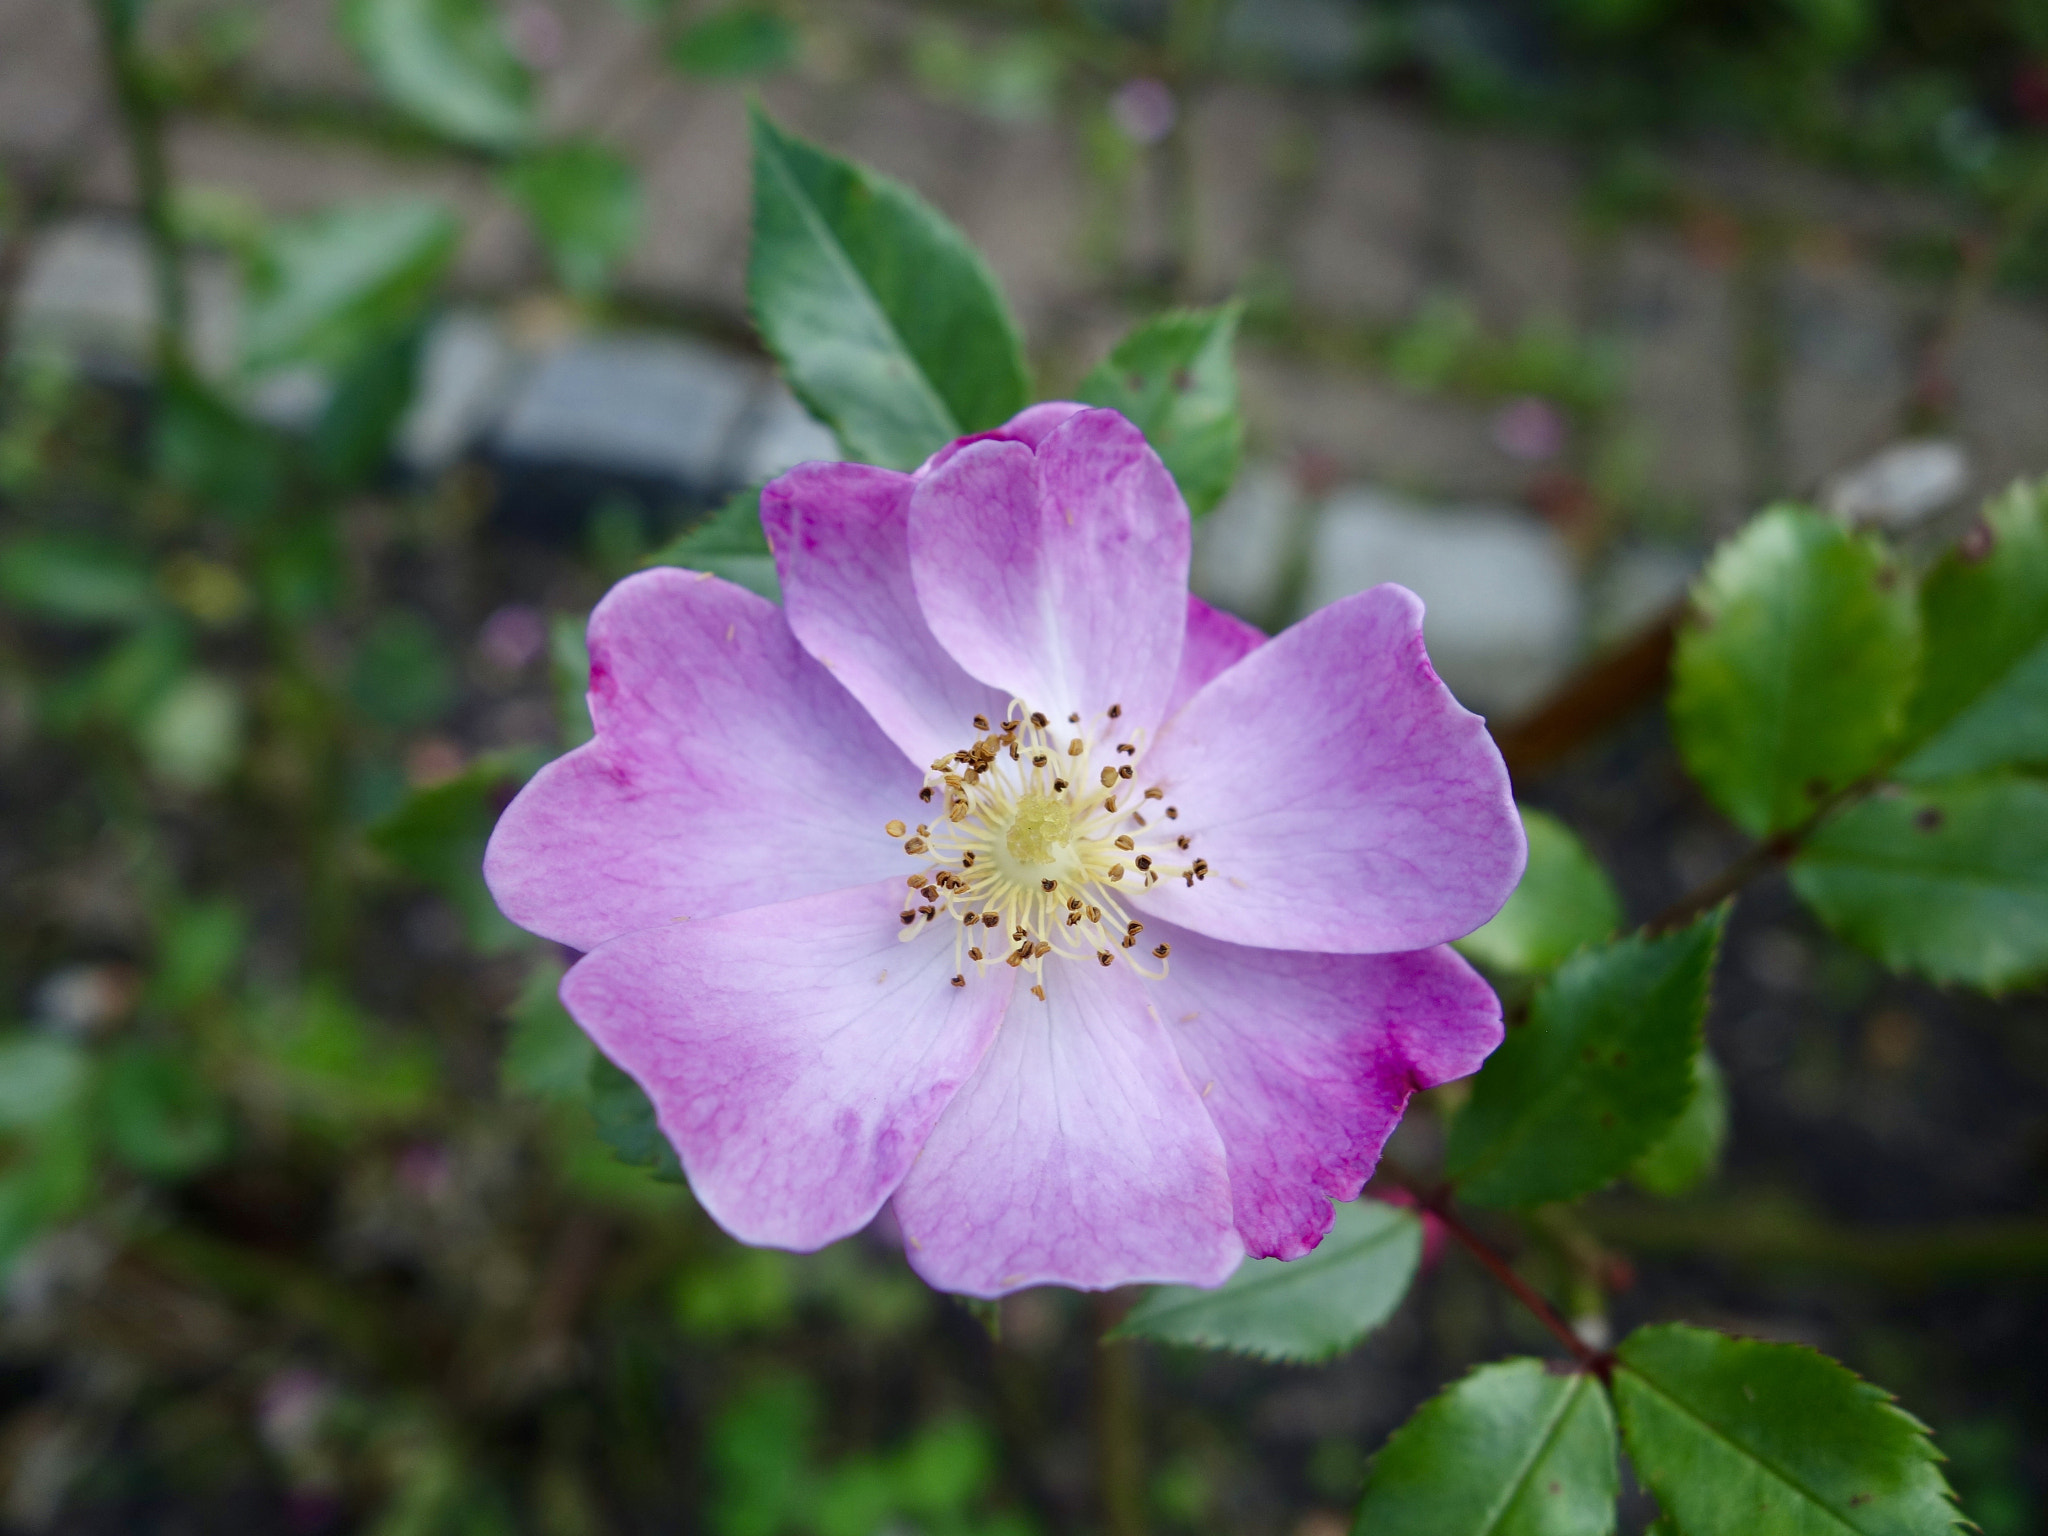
[[1119, 1435], [142, 124]]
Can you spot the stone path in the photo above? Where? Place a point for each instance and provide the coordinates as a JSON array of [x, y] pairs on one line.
[[1758, 344]]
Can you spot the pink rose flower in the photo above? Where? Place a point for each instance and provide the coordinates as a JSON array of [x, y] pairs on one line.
[[996, 876]]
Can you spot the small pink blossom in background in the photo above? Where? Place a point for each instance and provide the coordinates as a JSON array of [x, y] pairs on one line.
[[513, 638], [1530, 429], [1144, 109], [535, 34], [997, 879]]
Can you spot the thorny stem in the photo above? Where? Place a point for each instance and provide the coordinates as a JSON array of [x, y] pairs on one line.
[[1436, 1199], [1756, 859]]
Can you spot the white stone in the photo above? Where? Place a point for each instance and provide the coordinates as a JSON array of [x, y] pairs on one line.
[[87, 292], [1503, 606], [781, 434], [1902, 485], [653, 405], [1637, 584], [468, 370], [1243, 548]]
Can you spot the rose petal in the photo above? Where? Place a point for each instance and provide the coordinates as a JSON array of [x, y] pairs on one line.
[[842, 550], [1029, 426], [797, 1055], [728, 770], [1059, 576], [1077, 1154], [1344, 800], [1215, 641], [1305, 1063]]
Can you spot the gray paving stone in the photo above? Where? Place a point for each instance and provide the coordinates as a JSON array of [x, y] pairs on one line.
[[469, 370], [1242, 142], [1024, 209], [1674, 319], [87, 293], [779, 434], [1846, 375], [690, 142], [1900, 486], [2000, 367], [1513, 218], [1360, 247], [50, 91], [1503, 606]]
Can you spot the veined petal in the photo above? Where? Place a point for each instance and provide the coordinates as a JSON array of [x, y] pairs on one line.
[[1306, 1061], [1029, 426], [1344, 801], [797, 1055], [1077, 1154], [1059, 575], [1215, 641], [728, 770], [841, 535]]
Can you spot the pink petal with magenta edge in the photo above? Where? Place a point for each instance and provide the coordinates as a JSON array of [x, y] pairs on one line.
[[797, 1055]]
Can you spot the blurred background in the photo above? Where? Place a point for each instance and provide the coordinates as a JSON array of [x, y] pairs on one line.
[[349, 353]]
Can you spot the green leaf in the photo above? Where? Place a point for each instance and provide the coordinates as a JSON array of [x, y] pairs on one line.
[[1175, 378], [192, 737], [729, 543], [352, 438], [739, 40], [335, 1067], [197, 945], [626, 1123], [546, 1055], [1691, 1149], [49, 1181], [400, 677], [437, 835], [207, 448], [330, 284], [447, 63], [41, 1078], [1950, 880], [75, 580], [1602, 1070], [1514, 1449], [583, 201], [569, 661], [1309, 1308], [1564, 903], [161, 1117], [1741, 1438], [1983, 699], [887, 322], [1793, 676]]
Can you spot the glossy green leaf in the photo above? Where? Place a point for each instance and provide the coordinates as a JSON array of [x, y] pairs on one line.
[[162, 1119], [1737, 1437], [1309, 1308], [331, 283], [1792, 678], [1691, 1149], [1983, 699], [447, 63], [75, 580], [546, 1055], [1176, 378], [739, 40], [583, 201], [1950, 880], [1600, 1072], [1514, 1449], [729, 543], [626, 1123], [887, 322], [1564, 903]]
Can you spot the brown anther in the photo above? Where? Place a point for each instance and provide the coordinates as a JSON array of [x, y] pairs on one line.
[[930, 893], [1127, 749], [1141, 821], [1201, 869], [1014, 754], [1039, 720], [1128, 941], [929, 911], [1018, 932], [1039, 993], [915, 882], [1074, 747], [1073, 903], [1144, 861], [1010, 727], [1115, 710], [925, 794], [1181, 841], [1173, 813], [908, 918], [967, 861], [971, 919], [1074, 718], [1134, 927], [1040, 950], [959, 981], [1189, 876], [1124, 772], [1108, 777], [1048, 885], [989, 919], [1095, 914], [895, 829], [974, 954], [981, 722], [1116, 871], [1038, 759], [1059, 786], [915, 845], [957, 811], [1124, 842], [1109, 805], [1073, 918], [1104, 956], [1155, 793], [1151, 878], [923, 830], [1015, 957]]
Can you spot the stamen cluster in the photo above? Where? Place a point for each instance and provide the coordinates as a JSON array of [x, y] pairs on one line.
[[1036, 843]]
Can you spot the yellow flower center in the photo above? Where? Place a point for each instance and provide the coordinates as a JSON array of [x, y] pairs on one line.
[[1039, 837]]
